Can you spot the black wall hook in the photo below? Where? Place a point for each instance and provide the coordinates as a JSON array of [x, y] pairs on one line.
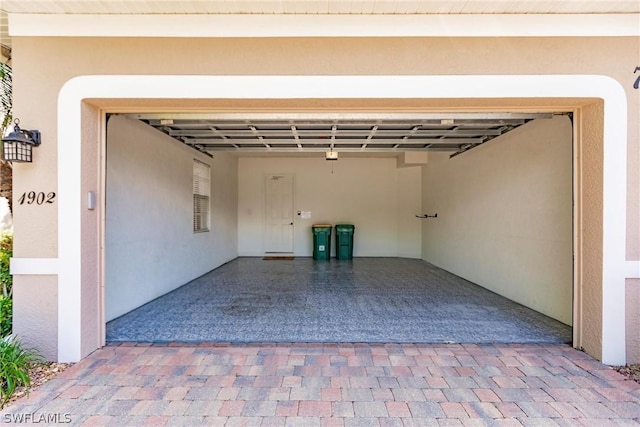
[[427, 216]]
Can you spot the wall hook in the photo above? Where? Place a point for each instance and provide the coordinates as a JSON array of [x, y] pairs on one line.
[[427, 216]]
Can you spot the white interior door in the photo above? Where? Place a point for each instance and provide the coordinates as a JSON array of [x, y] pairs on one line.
[[279, 213]]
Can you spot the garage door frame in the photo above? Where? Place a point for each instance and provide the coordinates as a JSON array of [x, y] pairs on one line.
[[81, 331]]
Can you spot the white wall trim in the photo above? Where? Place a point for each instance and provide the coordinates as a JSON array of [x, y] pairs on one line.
[[229, 25], [327, 87], [33, 266], [633, 270]]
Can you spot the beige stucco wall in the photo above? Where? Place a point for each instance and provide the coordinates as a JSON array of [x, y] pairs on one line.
[[63, 58], [36, 92], [35, 313], [91, 231], [590, 127], [505, 215], [633, 320]]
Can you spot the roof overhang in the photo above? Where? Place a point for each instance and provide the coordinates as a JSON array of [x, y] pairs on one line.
[[312, 18], [527, 25], [320, 7]]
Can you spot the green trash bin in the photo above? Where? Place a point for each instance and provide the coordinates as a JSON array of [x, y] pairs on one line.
[[344, 241], [321, 241]]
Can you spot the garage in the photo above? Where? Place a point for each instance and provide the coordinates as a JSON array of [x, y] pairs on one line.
[[326, 66], [463, 226], [377, 59]]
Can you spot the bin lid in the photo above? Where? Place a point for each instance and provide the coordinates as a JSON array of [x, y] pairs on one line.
[[321, 225], [349, 226]]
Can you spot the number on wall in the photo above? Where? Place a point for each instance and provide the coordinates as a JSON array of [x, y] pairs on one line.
[[37, 198]]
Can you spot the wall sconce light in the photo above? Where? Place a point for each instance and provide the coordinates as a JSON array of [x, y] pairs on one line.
[[17, 146]]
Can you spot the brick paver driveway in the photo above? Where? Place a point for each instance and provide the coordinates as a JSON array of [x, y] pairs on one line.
[[334, 384]]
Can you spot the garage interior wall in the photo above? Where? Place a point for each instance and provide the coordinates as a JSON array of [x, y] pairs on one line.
[[379, 198], [151, 248], [505, 215]]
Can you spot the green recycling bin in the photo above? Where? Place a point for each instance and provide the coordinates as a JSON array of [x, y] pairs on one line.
[[321, 241], [344, 241]]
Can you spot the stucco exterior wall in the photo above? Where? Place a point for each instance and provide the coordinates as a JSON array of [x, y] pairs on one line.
[[590, 128], [35, 313], [505, 215], [36, 96], [633, 320], [92, 219], [373, 194], [151, 248], [614, 57]]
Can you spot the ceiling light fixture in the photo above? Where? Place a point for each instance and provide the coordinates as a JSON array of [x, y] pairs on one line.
[[331, 155]]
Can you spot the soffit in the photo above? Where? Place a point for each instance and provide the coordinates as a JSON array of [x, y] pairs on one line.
[[320, 6], [310, 7], [5, 41]]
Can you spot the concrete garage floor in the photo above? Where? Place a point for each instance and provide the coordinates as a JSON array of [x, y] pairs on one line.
[[374, 300]]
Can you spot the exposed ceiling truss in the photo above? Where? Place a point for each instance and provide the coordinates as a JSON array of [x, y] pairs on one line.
[[279, 133]]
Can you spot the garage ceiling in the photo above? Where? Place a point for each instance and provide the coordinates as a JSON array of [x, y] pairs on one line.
[[362, 133]]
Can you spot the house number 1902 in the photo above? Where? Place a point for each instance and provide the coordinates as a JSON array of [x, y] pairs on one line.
[[38, 198]]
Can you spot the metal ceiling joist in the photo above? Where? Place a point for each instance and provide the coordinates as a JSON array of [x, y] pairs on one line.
[[355, 132], [304, 142], [333, 133], [342, 117]]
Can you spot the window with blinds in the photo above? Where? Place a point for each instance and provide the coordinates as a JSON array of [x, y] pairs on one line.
[[201, 193]]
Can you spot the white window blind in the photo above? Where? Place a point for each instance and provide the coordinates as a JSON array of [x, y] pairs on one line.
[[201, 193]]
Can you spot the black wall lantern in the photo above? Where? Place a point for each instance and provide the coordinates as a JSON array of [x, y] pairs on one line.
[[17, 146]]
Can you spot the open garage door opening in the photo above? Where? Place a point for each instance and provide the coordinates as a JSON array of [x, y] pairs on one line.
[[494, 265]]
